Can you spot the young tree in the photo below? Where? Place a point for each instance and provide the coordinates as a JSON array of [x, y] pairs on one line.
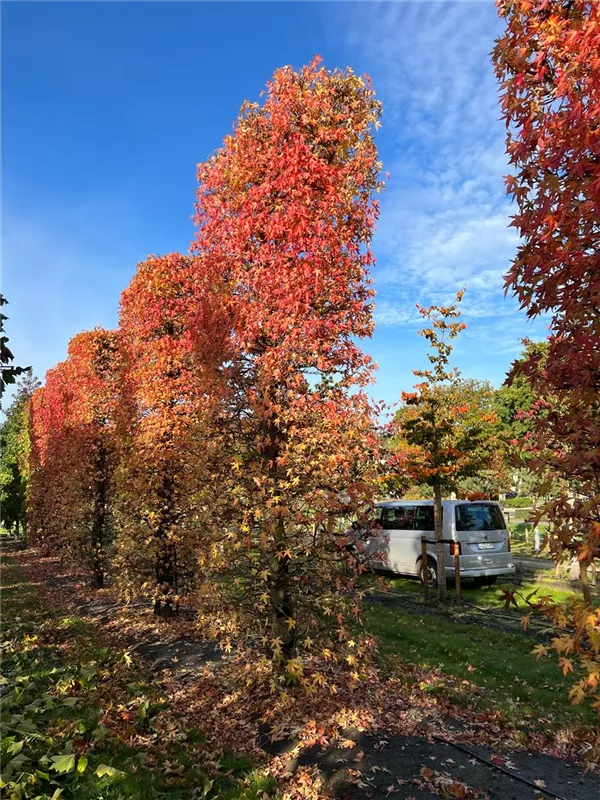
[[14, 457], [548, 66], [49, 511], [162, 406], [446, 430], [93, 367], [285, 217]]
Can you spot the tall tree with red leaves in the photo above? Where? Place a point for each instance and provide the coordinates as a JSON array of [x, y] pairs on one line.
[[48, 506], [548, 64], [285, 216], [162, 409], [93, 366], [73, 452]]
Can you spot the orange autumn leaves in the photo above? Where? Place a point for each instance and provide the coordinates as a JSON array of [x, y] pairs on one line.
[[285, 215], [549, 70], [548, 64], [73, 451]]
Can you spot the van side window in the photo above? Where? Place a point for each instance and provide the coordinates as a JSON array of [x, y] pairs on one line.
[[398, 519], [424, 518]]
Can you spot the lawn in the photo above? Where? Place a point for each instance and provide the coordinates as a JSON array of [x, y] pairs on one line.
[[491, 597], [522, 539], [499, 662], [82, 719]]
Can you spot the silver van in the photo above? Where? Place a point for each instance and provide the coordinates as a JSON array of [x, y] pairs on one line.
[[478, 527]]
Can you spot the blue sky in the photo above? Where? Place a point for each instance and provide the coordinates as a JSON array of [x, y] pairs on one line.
[[108, 107]]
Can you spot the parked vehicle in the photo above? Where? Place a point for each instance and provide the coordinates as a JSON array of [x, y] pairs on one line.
[[477, 528]]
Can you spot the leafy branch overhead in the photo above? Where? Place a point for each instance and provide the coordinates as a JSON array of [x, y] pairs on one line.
[[8, 372]]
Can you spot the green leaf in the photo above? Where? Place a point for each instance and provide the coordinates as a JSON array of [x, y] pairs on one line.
[[63, 763], [56, 794], [16, 747], [82, 764], [14, 765], [99, 733], [26, 726], [104, 769]]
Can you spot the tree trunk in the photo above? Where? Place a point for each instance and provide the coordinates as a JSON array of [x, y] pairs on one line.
[[281, 598], [583, 569], [166, 580], [282, 602], [99, 520], [165, 565], [439, 545]]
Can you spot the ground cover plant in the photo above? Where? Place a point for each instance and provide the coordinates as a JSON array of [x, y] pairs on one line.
[[82, 718]]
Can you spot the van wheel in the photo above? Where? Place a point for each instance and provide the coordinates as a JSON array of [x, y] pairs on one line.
[[431, 573]]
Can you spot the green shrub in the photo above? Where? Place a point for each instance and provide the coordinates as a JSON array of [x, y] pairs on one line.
[[519, 502]]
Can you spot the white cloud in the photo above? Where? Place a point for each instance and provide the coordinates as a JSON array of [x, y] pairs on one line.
[[444, 219], [445, 216]]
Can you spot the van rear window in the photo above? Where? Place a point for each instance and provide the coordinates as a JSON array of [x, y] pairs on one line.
[[479, 517]]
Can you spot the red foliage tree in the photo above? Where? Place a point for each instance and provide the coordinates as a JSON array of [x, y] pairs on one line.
[[73, 452], [93, 367], [162, 410], [48, 512], [548, 64], [285, 216]]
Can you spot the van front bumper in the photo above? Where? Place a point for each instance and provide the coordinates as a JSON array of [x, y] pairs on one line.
[[483, 572]]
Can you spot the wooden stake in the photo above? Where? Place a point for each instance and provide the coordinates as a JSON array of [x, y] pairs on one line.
[[425, 566], [457, 574]]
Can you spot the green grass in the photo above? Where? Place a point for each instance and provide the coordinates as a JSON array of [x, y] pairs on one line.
[[69, 696], [500, 663], [527, 690], [491, 596], [522, 540]]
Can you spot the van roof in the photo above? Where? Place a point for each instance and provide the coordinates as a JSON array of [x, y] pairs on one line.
[[446, 503]]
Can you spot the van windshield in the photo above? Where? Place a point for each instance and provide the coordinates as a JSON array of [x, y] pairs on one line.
[[479, 517]]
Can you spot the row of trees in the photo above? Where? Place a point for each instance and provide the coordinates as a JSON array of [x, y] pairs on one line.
[[220, 437], [215, 443], [449, 435]]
